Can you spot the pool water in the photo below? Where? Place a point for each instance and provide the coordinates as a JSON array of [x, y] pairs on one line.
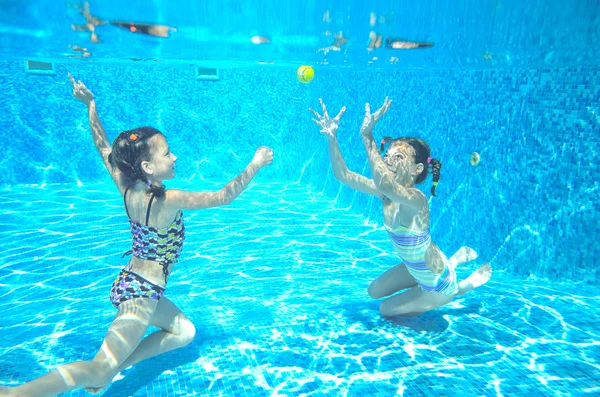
[[276, 285]]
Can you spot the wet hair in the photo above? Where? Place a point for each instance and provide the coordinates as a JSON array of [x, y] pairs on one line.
[[422, 156], [129, 149]]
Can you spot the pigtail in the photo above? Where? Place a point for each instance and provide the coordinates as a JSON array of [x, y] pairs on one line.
[[436, 166]]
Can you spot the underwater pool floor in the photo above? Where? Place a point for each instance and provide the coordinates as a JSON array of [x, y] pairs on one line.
[[276, 285]]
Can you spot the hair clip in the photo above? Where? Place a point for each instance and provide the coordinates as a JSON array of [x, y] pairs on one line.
[[133, 137], [429, 160], [385, 140]]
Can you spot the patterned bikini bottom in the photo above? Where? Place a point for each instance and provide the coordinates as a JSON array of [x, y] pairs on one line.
[[129, 285]]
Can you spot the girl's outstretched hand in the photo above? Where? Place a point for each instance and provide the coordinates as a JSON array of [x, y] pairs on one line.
[[372, 119], [80, 91], [263, 156], [328, 125]]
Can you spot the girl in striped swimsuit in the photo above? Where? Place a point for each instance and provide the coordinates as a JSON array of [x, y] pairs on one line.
[[425, 270]]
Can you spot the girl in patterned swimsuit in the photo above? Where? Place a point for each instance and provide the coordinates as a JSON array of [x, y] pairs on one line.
[[425, 270], [138, 162]]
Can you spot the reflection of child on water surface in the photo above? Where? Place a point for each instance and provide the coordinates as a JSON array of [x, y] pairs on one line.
[[134, 27], [145, 28], [91, 23]]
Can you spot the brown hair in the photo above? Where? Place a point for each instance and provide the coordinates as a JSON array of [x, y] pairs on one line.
[[129, 149]]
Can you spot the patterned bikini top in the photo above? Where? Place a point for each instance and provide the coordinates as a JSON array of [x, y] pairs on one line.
[[162, 245]]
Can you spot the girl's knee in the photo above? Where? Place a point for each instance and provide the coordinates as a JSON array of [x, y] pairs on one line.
[[374, 291], [187, 331]]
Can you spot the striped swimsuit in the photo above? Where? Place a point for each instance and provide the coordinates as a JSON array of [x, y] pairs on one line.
[[412, 247]]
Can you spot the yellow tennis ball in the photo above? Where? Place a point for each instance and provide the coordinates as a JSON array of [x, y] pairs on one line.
[[305, 74]]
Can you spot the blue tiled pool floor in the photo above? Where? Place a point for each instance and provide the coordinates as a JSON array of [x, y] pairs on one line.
[[276, 285]]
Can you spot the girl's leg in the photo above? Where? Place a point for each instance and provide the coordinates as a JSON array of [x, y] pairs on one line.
[[176, 331], [398, 277], [392, 281], [413, 302], [123, 336]]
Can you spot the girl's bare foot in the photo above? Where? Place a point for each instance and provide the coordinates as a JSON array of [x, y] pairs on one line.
[[476, 279], [463, 255]]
